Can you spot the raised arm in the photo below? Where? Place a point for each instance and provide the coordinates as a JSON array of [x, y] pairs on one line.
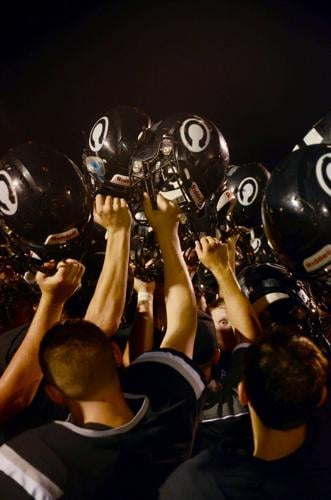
[[107, 304], [179, 295], [142, 332], [215, 256], [21, 379]]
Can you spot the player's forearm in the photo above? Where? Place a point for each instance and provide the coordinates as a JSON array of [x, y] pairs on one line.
[[240, 312], [107, 304], [22, 377], [179, 293], [142, 333]]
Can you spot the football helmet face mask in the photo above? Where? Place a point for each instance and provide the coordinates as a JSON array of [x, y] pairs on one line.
[[296, 212], [184, 157], [112, 141], [46, 205], [248, 183]]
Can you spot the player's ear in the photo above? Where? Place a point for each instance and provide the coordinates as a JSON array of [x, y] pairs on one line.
[[118, 356], [323, 396], [242, 394], [55, 395]]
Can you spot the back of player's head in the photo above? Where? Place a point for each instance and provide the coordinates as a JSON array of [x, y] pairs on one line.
[[284, 377], [77, 358]]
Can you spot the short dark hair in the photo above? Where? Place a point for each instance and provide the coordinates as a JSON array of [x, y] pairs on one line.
[[284, 377], [77, 358], [217, 302]]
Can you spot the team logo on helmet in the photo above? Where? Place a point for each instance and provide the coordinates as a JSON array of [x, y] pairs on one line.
[[195, 134], [247, 191], [8, 196], [256, 244], [323, 172], [98, 134]]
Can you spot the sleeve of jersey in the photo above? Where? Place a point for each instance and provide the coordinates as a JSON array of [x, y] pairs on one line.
[[164, 374], [11, 489], [19, 479]]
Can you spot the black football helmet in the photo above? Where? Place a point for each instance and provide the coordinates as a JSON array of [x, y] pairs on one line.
[[319, 133], [112, 141], [248, 183], [46, 205], [281, 300], [184, 157], [296, 212]]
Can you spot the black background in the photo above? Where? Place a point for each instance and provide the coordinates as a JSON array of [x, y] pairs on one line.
[[259, 69]]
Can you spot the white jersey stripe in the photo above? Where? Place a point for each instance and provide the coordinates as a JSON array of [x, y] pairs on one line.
[[179, 364], [220, 419], [116, 430], [34, 482]]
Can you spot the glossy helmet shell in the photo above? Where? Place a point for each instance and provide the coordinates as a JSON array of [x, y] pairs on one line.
[[296, 211], [185, 157], [112, 141], [45, 203], [318, 134], [266, 283], [248, 183], [278, 298]]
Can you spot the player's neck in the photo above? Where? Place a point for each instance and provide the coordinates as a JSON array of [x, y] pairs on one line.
[[273, 444], [113, 413]]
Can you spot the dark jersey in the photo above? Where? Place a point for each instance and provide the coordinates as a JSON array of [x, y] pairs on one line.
[[230, 471], [63, 459], [223, 402], [223, 415]]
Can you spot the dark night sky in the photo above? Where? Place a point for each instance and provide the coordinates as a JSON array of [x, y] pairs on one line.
[[259, 69]]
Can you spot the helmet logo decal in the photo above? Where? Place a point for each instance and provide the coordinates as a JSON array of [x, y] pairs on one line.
[[98, 134], [323, 172], [121, 180], [195, 134], [8, 196], [58, 238], [318, 259], [196, 195], [247, 191]]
